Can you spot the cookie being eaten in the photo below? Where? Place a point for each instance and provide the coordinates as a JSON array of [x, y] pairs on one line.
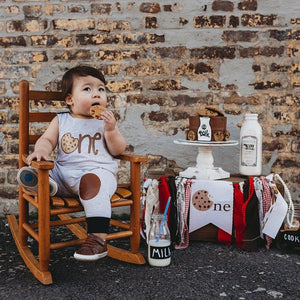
[[97, 110]]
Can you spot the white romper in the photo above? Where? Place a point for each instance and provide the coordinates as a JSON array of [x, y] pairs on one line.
[[82, 150]]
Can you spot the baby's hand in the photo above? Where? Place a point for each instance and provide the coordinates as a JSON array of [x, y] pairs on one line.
[[37, 155], [109, 121]]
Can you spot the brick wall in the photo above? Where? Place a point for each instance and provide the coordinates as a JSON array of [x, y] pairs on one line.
[[162, 60]]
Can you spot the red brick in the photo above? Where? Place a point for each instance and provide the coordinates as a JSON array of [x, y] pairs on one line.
[[274, 145], [222, 5], [150, 7], [166, 85], [124, 86], [151, 22], [279, 68], [295, 21], [211, 22], [101, 9], [213, 53], [282, 35], [248, 5], [256, 68], [12, 10], [296, 146], [158, 116], [150, 100], [194, 69], [282, 116], [234, 21], [266, 85], [73, 24], [117, 55], [187, 100], [167, 8], [77, 8], [54, 9], [51, 40], [214, 85], [239, 36], [73, 54], [144, 69], [10, 192], [26, 26], [32, 11], [263, 51], [179, 115], [258, 20], [170, 52], [143, 38], [29, 57], [286, 100], [235, 98], [98, 39], [287, 163]]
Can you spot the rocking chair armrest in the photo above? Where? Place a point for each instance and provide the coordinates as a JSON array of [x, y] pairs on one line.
[[132, 158], [43, 165]]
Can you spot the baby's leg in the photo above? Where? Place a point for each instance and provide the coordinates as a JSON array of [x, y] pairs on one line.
[[95, 191], [28, 178]]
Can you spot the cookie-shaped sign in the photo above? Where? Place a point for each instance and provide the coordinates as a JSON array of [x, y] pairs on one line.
[[201, 200], [68, 143], [96, 111]]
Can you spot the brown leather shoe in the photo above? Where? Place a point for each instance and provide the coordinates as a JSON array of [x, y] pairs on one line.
[[93, 249]]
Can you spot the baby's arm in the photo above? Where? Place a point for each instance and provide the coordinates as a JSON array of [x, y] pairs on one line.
[[115, 141], [46, 143]]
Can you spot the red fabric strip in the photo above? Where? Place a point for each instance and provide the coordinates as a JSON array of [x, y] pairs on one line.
[[224, 237], [164, 195], [238, 220]]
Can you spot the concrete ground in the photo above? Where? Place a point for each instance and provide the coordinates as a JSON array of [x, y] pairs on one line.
[[202, 271]]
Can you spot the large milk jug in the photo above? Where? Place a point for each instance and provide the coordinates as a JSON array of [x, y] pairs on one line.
[[251, 146], [159, 243]]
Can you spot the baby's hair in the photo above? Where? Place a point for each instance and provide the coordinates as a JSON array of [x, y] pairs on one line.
[[79, 71]]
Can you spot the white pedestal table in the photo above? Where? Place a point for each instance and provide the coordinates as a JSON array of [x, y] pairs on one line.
[[205, 168]]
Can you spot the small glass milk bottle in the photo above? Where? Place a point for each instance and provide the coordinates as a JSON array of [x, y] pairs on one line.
[[251, 146], [159, 243]]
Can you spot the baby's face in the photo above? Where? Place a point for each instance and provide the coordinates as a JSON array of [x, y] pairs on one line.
[[86, 91]]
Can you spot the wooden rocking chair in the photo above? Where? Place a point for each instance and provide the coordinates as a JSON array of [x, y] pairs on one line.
[[55, 211]]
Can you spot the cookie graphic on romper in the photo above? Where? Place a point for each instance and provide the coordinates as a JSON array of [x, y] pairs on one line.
[[68, 143], [201, 200], [96, 111]]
